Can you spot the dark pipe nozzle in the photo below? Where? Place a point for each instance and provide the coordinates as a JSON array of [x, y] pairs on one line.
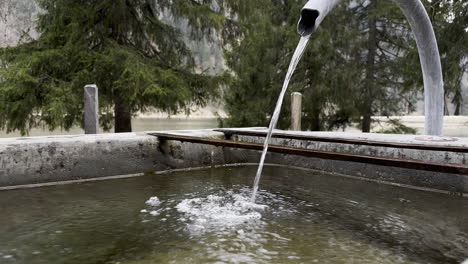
[[306, 24]]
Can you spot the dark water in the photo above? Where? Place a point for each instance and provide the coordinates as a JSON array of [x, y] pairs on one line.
[[206, 217]]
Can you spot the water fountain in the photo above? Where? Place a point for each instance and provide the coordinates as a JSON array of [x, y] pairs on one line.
[[313, 14], [315, 11], [328, 197]]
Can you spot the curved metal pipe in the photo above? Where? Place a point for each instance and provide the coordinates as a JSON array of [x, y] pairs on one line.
[[315, 11]]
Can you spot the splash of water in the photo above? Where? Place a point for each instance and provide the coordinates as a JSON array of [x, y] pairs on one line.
[[292, 67], [220, 210]]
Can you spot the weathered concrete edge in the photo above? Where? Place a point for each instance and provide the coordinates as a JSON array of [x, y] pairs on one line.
[[44, 159], [59, 158]]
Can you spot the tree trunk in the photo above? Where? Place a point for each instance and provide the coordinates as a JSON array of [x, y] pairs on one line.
[[370, 69], [367, 120], [316, 122], [457, 109], [122, 115]]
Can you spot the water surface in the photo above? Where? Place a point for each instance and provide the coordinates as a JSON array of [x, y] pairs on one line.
[[206, 217]]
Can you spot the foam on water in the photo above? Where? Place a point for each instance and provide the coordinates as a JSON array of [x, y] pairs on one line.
[[223, 209], [227, 226], [220, 210], [153, 201], [230, 228]]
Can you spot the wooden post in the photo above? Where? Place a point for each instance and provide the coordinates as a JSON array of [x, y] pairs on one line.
[[91, 109], [296, 111]]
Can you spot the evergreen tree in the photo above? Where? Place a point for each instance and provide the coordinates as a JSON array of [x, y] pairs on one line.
[[137, 61], [337, 74], [253, 62], [326, 76], [386, 37], [361, 62], [259, 63], [450, 21]]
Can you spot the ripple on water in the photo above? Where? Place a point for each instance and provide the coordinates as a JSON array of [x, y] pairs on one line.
[[208, 218]]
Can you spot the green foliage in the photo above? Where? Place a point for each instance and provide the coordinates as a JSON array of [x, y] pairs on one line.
[[257, 79], [325, 75], [396, 127], [361, 62], [121, 45], [450, 20]]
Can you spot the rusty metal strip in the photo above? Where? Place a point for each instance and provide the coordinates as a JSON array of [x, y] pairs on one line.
[[345, 141], [382, 161]]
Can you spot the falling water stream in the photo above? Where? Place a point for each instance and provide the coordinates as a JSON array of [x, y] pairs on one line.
[[292, 67]]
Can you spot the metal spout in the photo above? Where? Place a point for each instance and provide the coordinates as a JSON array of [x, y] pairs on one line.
[[312, 14], [306, 25], [315, 11]]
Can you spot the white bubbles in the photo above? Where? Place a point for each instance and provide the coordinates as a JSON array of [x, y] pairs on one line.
[[154, 213], [228, 227], [153, 201], [224, 209]]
